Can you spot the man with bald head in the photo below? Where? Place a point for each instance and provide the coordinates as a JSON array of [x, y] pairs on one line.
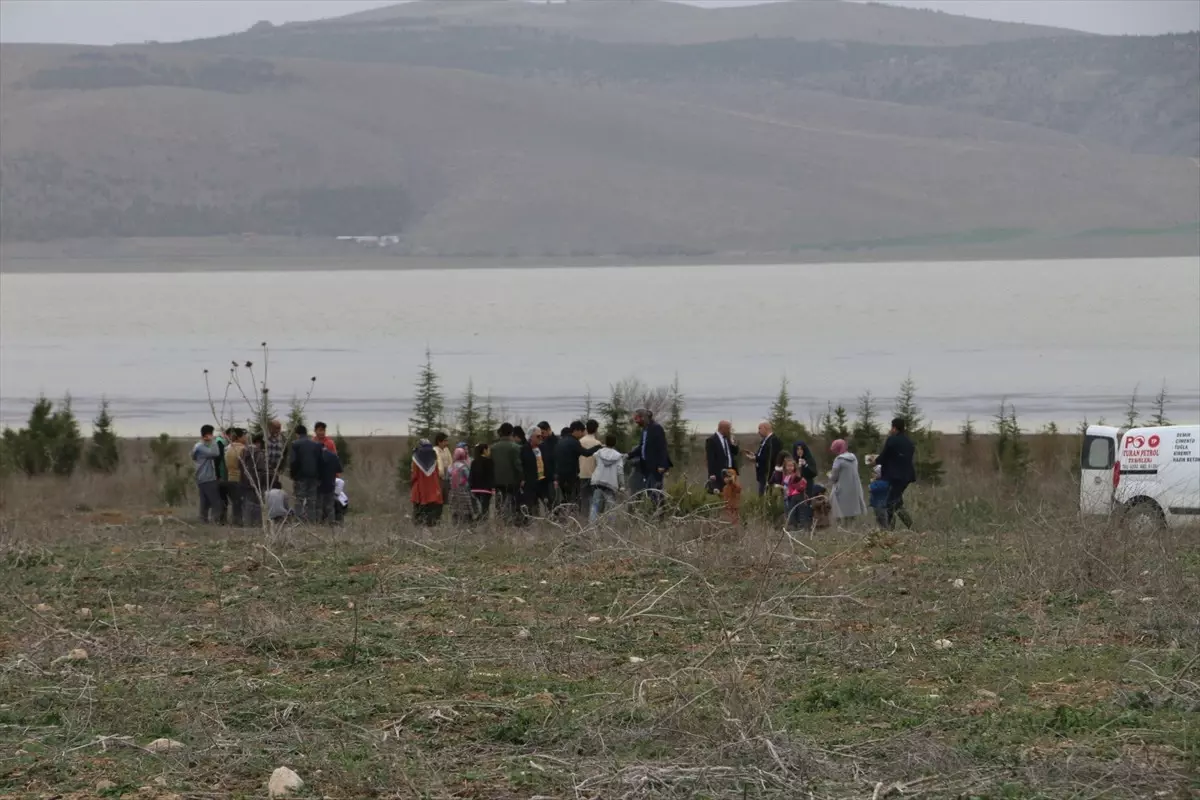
[[767, 455], [720, 452]]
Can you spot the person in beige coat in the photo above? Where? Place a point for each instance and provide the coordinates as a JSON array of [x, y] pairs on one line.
[[587, 464]]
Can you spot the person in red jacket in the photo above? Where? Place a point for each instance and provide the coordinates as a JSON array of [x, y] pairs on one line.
[[426, 494]]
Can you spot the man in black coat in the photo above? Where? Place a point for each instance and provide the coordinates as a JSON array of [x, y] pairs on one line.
[[330, 468], [549, 448], [566, 461], [720, 454], [305, 471], [767, 455], [897, 466], [653, 454]]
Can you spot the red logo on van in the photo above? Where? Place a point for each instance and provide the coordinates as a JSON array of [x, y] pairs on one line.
[[1154, 440], [1138, 442]]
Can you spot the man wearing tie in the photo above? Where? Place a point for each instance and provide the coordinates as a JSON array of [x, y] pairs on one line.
[[767, 455], [721, 454]]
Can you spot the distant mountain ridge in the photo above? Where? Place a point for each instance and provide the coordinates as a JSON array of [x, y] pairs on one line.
[[483, 129]]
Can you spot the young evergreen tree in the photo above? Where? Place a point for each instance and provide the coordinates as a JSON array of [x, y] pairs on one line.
[[50, 442], [343, 448], [1131, 411], [677, 428], [295, 418], [588, 406], [429, 403], [836, 423], [1158, 416], [966, 442], [1012, 454], [470, 425], [865, 433], [907, 407], [615, 417], [491, 422], [103, 455], [928, 465], [783, 423]]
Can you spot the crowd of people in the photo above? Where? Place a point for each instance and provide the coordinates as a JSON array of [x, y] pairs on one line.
[[522, 475], [238, 480]]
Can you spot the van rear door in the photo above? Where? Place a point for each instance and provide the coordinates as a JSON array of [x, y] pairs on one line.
[[1098, 470]]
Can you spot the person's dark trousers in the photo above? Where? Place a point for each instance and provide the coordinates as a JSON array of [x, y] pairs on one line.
[[568, 491], [881, 516], [508, 503], [232, 502], [325, 509], [210, 501], [585, 494], [654, 486], [225, 488], [528, 508], [427, 515], [339, 513], [762, 488], [546, 494], [481, 504], [895, 506], [306, 500], [251, 510]]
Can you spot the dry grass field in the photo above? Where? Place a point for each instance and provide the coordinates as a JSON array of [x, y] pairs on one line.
[[681, 659]]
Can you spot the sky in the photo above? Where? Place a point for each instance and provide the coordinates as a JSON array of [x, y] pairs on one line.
[[112, 21]]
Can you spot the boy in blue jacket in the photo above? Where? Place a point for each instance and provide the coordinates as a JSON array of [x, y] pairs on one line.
[[879, 497]]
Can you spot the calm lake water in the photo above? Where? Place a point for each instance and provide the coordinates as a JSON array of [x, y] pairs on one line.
[[1060, 339]]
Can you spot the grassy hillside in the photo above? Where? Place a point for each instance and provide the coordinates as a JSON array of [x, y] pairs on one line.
[[466, 163], [1138, 93], [654, 21], [517, 130]]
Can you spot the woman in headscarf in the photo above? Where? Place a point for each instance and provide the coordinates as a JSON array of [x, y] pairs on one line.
[[459, 477], [846, 493], [426, 494]]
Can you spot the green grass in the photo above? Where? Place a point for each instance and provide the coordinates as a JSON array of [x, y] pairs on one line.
[[383, 662]]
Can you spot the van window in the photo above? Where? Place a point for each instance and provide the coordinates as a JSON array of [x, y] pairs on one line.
[[1099, 452]]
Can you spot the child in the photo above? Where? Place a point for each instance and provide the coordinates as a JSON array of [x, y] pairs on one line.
[[731, 493], [607, 478], [279, 506], [458, 478], [795, 490], [341, 503], [879, 497], [482, 481]]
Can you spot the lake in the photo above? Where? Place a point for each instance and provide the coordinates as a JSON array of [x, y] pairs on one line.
[[1060, 339]]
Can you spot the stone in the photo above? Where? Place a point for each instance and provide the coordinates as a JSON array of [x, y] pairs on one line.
[[78, 654], [83, 613], [165, 746], [943, 644], [104, 785], [283, 783]]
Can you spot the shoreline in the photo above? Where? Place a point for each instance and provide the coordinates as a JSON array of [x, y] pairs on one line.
[[232, 255]]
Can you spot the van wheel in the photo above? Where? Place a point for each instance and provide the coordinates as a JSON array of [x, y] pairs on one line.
[[1144, 517]]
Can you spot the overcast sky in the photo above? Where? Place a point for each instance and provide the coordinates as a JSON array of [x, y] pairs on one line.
[[111, 21]]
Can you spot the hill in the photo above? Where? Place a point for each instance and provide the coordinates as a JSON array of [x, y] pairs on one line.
[[1137, 93], [660, 22], [128, 142]]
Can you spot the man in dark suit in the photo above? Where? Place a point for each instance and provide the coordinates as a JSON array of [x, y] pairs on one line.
[[652, 450], [897, 466], [767, 455], [720, 453]]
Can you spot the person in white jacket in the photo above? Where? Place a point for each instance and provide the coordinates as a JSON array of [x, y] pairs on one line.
[[608, 477]]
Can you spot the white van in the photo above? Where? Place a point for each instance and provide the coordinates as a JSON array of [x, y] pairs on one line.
[[1150, 477]]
